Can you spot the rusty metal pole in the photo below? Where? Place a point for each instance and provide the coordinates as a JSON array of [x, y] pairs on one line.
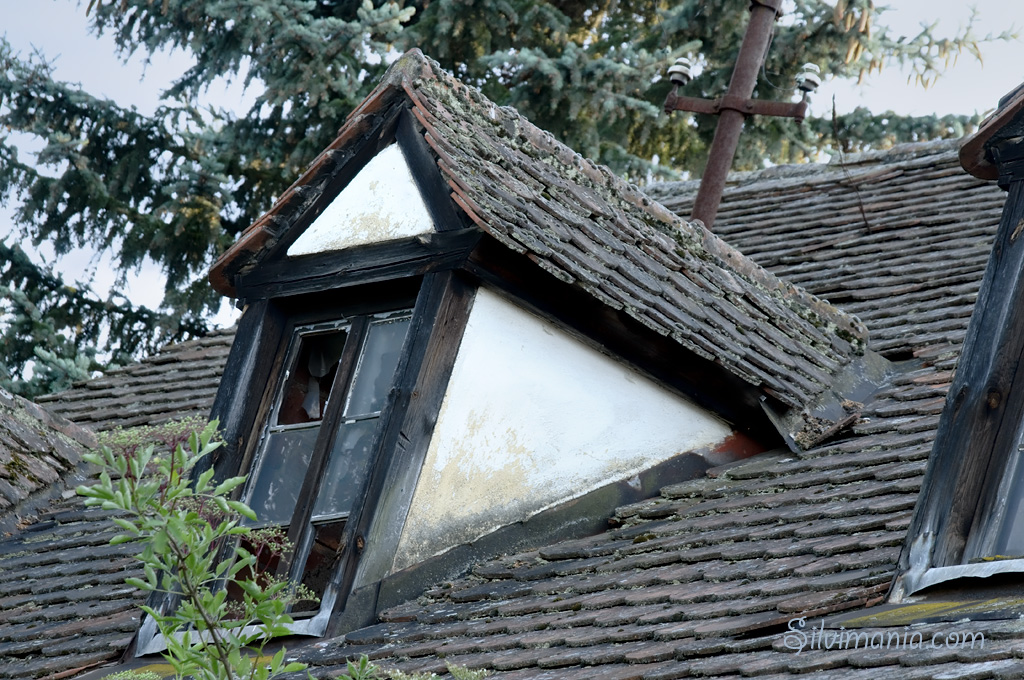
[[730, 121]]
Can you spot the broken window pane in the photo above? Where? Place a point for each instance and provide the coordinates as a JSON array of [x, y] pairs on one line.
[[376, 366], [308, 385], [266, 545], [324, 554]]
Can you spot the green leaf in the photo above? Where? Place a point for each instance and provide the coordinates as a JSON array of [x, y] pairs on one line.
[[126, 525], [250, 588], [228, 485], [242, 509], [159, 541], [151, 577], [138, 583], [203, 483], [222, 504]]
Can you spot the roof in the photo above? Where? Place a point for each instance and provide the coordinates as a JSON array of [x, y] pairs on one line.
[[64, 605], [587, 227], [179, 381], [63, 600], [40, 458], [704, 580], [899, 238]]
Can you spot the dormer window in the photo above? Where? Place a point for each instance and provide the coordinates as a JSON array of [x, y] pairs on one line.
[[317, 446], [320, 419], [563, 353]]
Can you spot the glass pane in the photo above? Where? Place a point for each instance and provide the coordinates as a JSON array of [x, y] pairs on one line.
[[284, 462], [1011, 536], [309, 382], [323, 556], [376, 366], [346, 469]]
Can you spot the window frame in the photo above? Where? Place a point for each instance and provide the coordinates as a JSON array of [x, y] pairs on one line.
[[301, 528]]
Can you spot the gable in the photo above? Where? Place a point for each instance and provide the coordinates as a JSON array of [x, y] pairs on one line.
[[381, 203]]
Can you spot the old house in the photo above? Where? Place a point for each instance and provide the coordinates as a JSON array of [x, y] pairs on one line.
[[532, 421]]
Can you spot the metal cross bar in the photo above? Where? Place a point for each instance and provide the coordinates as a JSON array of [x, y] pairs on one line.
[[734, 107]]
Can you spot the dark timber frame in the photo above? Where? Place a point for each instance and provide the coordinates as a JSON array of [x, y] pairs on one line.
[[441, 306], [980, 427]]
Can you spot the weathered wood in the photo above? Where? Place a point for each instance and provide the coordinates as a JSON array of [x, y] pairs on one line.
[[423, 166], [360, 265], [439, 319], [248, 371], [984, 406]]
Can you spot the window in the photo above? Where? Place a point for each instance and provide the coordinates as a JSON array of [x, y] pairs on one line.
[[317, 446], [1003, 535]]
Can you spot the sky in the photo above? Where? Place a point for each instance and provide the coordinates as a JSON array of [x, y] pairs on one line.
[[62, 36]]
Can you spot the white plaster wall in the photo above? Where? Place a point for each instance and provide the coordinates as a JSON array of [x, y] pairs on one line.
[[381, 203], [533, 417]]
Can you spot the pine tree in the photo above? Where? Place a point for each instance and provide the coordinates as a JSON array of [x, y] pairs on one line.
[[58, 328], [180, 185]]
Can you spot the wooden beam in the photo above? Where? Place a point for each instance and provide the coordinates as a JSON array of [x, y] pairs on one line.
[[250, 367], [374, 263], [423, 166], [985, 404], [421, 379]]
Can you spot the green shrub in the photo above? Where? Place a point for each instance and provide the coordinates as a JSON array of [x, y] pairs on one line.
[[186, 527]]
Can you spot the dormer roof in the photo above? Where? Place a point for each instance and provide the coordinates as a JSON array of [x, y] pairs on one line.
[[580, 223]]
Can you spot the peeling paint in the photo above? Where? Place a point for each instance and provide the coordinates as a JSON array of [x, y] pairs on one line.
[[381, 203], [532, 418]]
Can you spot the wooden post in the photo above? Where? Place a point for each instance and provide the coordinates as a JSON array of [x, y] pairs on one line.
[[984, 408]]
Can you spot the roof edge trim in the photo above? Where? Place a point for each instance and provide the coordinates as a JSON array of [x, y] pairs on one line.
[[974, 155]]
